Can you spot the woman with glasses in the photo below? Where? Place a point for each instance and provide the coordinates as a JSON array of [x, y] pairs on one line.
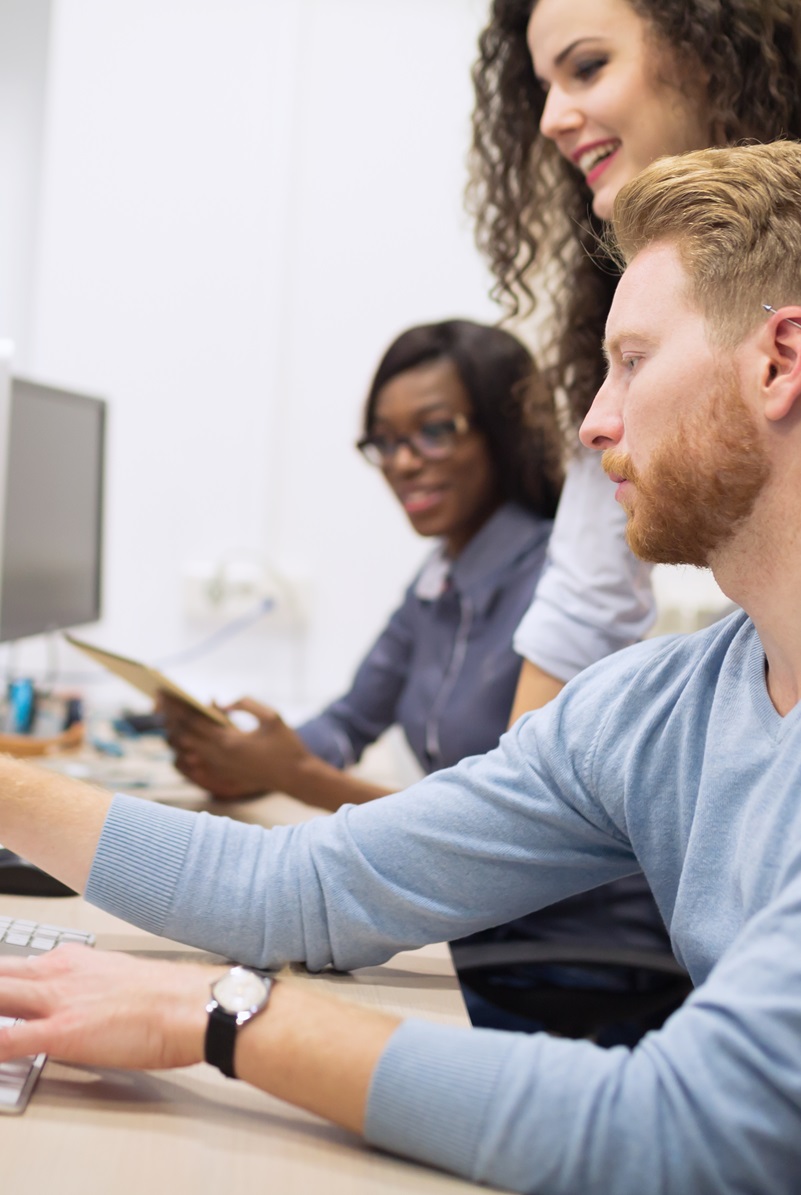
[[465, 436]]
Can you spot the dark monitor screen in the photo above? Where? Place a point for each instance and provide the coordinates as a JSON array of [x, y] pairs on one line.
[[51, 547]]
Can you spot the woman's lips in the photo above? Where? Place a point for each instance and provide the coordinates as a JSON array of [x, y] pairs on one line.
[[420, 501], [594, 158], [598, 170]]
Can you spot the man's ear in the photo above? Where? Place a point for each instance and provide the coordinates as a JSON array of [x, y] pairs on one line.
[[780, 376]]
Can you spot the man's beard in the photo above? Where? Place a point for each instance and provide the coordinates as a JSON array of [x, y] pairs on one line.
[[699, 487]]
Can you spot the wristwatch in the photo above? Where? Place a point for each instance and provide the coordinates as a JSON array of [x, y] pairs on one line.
[[236, 998]]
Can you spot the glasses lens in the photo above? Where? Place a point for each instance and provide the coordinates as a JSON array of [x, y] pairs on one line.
[[435, 440], [375, 451]]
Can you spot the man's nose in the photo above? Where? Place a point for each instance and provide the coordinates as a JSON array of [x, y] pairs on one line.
[[603, 424]]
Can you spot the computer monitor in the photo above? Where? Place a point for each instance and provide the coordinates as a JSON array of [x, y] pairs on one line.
[[52, 449]]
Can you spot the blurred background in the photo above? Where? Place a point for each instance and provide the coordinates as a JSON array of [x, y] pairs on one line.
[[216, 214]]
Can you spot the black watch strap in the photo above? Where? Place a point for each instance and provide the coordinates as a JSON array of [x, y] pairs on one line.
[[236, 998], [221, 1030]]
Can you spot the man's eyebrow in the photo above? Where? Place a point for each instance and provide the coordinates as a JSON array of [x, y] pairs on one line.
[[612, 345]]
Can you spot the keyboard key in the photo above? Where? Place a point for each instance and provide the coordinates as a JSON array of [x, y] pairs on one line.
[[42, 943]]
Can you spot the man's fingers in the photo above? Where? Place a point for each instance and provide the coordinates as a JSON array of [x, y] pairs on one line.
[[21, 998], [23, 1037]]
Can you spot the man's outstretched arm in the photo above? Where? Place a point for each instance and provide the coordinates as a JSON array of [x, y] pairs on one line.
[[108, 1009], [51, 820]]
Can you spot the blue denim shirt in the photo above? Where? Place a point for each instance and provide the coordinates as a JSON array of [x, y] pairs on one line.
[[444, 668]]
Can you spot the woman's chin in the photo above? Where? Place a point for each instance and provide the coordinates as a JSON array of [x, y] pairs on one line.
[[603, 202]]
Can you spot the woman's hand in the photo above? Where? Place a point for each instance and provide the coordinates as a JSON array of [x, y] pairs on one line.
[[104, 1009], [231, 763]]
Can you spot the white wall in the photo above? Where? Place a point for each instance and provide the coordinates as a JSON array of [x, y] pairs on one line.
[[23, 66], [242, 201], [217, 213]]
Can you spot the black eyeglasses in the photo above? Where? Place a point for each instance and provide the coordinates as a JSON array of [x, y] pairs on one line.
[[432, 441]]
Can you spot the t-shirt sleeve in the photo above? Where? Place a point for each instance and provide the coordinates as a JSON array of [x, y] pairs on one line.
[[594, 596]]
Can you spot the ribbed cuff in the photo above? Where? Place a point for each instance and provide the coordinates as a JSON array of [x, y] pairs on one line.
[[430, 1092], [138, 860]]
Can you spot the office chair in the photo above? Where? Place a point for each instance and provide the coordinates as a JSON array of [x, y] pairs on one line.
[[659, 984]]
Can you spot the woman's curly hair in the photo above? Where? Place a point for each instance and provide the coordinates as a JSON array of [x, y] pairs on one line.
[[533, 210]]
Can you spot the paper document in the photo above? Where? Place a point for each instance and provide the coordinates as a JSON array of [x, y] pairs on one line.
[[148, 680]]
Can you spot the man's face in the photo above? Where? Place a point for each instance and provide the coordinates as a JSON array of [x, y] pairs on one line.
[[680, 440]]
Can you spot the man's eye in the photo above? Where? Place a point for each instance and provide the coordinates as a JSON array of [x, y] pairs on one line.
[[588, 69], [630, 363]]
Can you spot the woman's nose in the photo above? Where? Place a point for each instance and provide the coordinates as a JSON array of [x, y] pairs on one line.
[[560, 115], [405, 459]]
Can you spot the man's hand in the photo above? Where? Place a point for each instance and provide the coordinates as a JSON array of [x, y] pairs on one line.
[[102, 1009], [112, 1010], [231, 763]]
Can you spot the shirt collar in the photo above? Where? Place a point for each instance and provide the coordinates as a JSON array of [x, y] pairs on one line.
[[508, 533]]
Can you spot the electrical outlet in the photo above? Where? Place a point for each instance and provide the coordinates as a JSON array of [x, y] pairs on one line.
[[229, 588]]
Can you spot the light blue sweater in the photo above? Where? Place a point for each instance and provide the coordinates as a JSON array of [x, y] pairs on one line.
[[668, 756]]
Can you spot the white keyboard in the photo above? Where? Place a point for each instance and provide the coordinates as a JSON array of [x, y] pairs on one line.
[[18, 1077], [33, 937]]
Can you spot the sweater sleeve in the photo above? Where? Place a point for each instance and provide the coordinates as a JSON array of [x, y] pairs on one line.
[[481, 843], [710, 1104]]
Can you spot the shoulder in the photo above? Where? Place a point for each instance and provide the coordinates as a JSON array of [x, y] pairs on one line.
[[659, 677], [509, 550]]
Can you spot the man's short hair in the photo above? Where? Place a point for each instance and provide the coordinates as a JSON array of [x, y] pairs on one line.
[[734, 216]]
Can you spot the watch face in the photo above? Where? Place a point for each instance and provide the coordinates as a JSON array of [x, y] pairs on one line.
[[240, 991]]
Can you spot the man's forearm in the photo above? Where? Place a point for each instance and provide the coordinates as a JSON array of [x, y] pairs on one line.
[[314, 1052], [51, 820]]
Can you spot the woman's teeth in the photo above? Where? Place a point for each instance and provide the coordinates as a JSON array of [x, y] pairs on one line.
[[589, 160]]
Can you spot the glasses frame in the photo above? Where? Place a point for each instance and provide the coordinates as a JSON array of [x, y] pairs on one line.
[[462, 424]]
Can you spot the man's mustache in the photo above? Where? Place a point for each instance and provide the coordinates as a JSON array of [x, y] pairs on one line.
[[619, 465]]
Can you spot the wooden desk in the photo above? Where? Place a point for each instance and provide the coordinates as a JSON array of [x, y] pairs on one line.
[[193, 1132], [145, 770]]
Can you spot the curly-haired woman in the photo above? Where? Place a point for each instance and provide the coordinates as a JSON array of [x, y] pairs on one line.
[[573, 98]]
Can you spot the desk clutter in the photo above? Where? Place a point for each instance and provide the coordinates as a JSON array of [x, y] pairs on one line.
[[34, 721]]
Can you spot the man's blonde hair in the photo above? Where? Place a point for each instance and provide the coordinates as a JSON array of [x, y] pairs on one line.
[[734, 216]]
